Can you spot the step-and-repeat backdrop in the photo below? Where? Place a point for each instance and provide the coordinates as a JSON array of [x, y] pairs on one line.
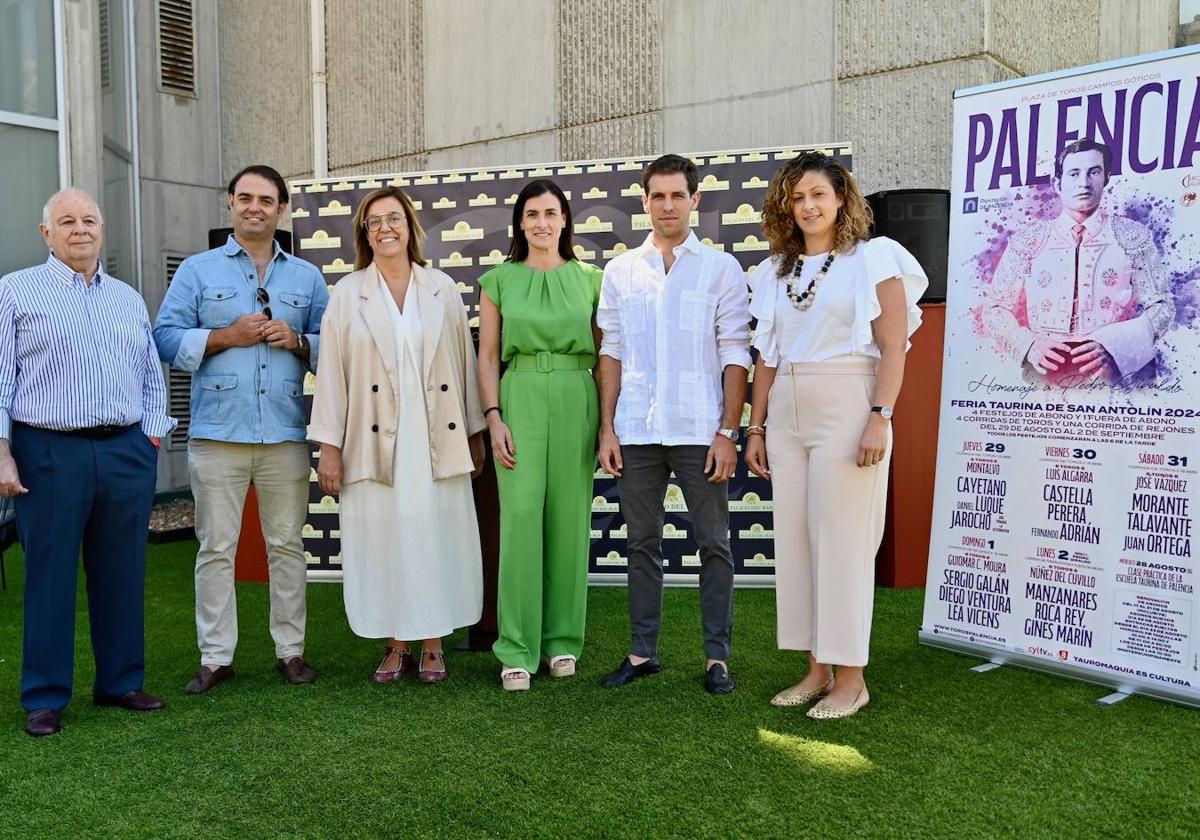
[[1062, 536], [467, 214]]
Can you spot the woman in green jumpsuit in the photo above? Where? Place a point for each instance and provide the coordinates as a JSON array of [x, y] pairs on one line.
[[537, 314]]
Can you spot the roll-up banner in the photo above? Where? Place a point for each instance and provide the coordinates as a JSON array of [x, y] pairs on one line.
[[1068, 453], [467, 216]]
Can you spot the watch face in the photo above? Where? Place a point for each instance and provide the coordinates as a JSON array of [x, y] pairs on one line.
[[886, 412]]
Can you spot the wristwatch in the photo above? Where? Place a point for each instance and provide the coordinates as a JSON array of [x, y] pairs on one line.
[[732, 434], [302, 344], [884, 410]]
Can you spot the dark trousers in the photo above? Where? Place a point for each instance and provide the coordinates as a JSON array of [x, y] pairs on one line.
[[642, 486], [93, 494]]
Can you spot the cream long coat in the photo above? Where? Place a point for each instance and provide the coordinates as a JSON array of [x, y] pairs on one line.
[[358, 386]]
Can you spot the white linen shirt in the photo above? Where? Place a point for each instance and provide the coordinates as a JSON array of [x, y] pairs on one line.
[[673, 333]]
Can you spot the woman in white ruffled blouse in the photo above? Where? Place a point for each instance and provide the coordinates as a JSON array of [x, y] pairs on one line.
[[834, 312]]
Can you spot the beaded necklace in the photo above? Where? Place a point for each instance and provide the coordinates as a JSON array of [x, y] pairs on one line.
[[804, 300]]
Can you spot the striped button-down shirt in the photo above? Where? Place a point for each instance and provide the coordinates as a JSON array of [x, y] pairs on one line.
[[74, 355]]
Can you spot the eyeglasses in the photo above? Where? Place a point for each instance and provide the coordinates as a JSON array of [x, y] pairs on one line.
[[395, 221], [264, 298]]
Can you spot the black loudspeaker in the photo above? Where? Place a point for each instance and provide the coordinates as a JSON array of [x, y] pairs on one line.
[[218, 236], [920, 221]]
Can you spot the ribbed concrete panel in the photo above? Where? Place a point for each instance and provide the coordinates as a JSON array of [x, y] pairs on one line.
[[266, 96], [404, 163], [900, 123], [799, 115], [877, 35], [376, 88], [490, 69], [609, 59], [1137, 27], [1034, 36], [531, 148], [639, 135]]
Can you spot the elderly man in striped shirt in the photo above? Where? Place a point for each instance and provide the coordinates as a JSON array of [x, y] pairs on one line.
[[82, 408]]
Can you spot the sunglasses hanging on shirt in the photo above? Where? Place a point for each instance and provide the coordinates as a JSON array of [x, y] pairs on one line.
[[264, 298]]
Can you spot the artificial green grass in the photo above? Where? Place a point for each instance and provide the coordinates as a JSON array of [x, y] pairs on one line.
[[939, 752]]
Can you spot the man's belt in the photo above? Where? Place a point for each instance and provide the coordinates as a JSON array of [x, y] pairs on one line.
[[92, 432]]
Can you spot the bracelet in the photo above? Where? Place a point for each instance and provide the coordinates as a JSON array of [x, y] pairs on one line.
[[756, 430], [492, 408]]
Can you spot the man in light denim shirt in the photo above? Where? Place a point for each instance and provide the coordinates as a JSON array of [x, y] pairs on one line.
[[244, 319]]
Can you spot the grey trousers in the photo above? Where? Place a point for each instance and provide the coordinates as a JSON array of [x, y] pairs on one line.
[[642, 487]]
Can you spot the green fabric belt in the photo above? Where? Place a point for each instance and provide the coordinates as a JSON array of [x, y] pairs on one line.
[[545, 361]]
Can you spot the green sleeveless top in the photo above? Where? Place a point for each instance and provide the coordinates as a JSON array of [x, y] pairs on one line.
[[545, 310]]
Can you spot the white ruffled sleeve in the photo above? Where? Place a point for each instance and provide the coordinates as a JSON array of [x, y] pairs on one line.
[[764, 291], [884, 259]]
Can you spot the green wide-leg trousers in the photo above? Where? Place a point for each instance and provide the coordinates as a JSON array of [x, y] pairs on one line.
[[545, 514]]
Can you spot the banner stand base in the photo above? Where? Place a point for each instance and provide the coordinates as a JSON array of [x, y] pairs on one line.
[[1116, 682], [985, 667], [1113, 699]]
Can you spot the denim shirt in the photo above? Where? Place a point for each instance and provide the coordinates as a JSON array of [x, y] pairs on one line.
[[249, 394]]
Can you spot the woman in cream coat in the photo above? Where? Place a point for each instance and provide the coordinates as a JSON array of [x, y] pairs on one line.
[[397, 416]]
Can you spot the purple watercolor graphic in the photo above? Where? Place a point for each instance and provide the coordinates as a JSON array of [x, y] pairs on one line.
[[1173, 228]]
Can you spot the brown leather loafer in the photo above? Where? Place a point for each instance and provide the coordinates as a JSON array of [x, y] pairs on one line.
[[206, 679], [134, 701], [41, 722], [295, 670]]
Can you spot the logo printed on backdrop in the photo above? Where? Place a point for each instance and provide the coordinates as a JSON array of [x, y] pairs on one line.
[[466, 215]]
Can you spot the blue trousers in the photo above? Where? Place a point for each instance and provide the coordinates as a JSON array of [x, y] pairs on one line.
[[93, 494]]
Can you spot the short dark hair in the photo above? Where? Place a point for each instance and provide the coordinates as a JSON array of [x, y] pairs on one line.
[[671, 165], [262, 171], [1083, 145], [518, 248]]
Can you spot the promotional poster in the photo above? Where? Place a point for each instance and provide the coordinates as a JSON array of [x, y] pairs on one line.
[[467, 216], [1067, 462]]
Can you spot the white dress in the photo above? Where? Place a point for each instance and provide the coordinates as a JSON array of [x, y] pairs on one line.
[[411, 563]]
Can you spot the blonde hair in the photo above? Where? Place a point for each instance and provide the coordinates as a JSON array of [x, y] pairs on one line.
[[854, 219]]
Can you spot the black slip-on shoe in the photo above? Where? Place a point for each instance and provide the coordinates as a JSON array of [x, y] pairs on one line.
[[718, 680], [627, 672]]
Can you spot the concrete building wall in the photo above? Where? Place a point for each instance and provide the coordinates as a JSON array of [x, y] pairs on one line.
[[900, 122], [738, 75], [423, 84], [900, 61]]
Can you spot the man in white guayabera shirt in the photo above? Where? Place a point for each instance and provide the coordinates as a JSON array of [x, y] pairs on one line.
[[673, 366]]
